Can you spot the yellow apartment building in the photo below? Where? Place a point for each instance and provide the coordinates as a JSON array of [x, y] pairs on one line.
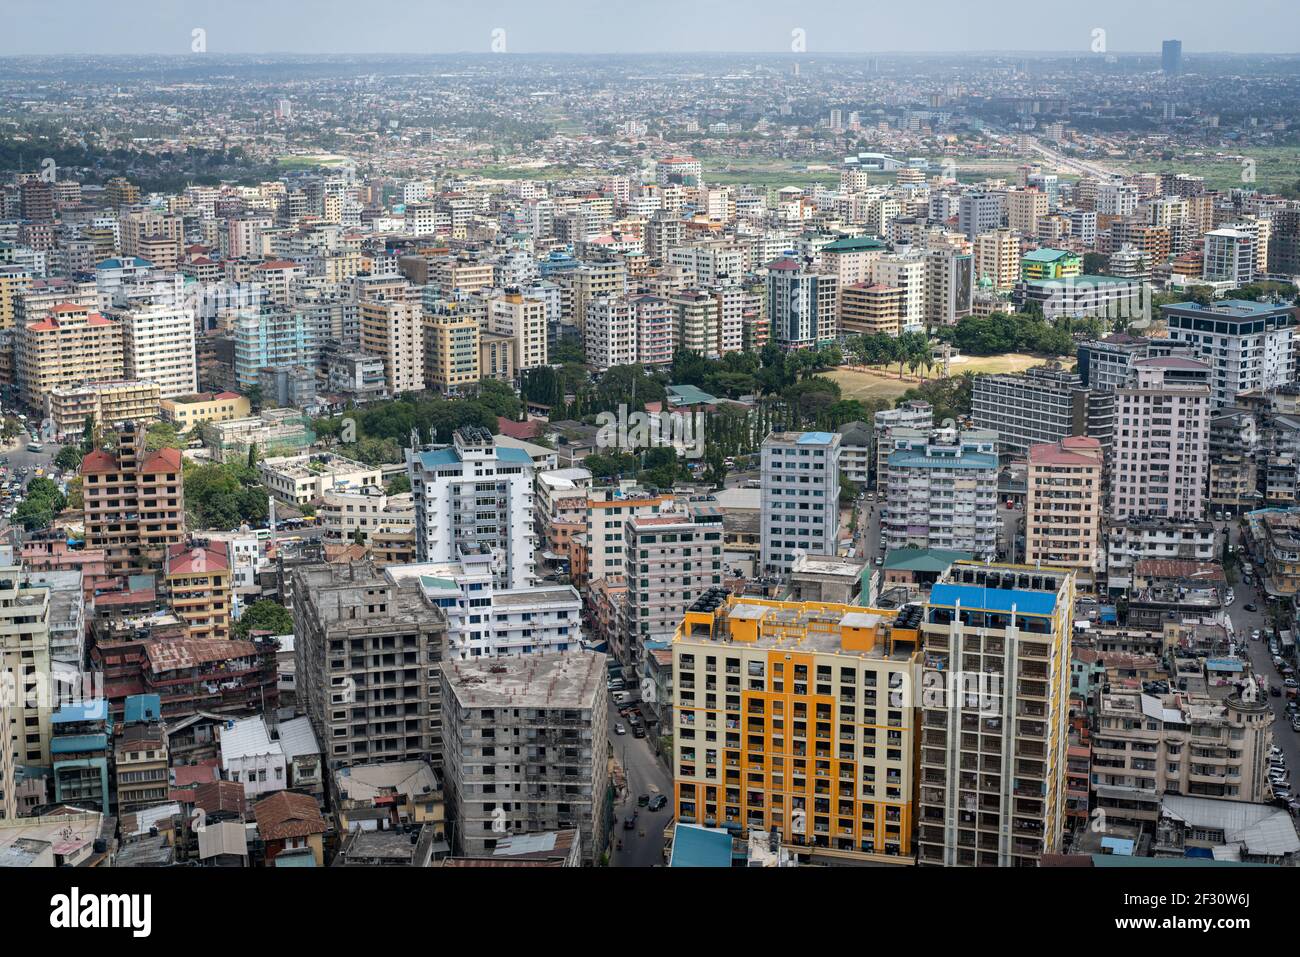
[[798, 717]]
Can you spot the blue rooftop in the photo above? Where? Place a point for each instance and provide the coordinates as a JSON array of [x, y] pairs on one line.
[[974, 597], [76, 743], [439, 458], [142, 708], [815, 438], [96, 710], [967, 460], [695, 846], [513, 455]]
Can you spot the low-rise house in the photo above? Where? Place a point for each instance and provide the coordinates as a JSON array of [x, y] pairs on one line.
[[289, 822]]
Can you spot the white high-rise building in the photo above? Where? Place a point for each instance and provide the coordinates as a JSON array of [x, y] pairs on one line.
[[611, 333], [1229, 256], [1162, 440], [484, 621], [473, 498], [800, 497], [158, 347]]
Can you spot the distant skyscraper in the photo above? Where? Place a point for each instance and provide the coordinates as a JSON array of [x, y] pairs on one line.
[[1171, 55]]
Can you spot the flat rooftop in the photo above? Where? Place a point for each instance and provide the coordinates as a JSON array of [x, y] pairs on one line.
[[568, 680]]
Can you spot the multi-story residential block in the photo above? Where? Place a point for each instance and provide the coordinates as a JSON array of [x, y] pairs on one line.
[[141, 767], [158, 347], [474, 498], [525, 749], [949, 285], [72, 346], [26, 678], [523, 319], [849, 260], [394, 331], [1162, 440], [451, 350], [604, 543], [672, 558], [695, 322], [995, 718], [799, 717], [134, 502], [80, 753], [656, 329], [110, 404], [1249, 345], [871, 309], [299, 479], [198, 576], [1063, 506], [912, 414], [802, 306], [941, 491], [1230, 256], [997, 259], [486, 621], [187, 411], [979, 212], [1147, 746], [1042, 404], [800, 496], [611, 333], [1133, 540], [367, 653], [908, 273]]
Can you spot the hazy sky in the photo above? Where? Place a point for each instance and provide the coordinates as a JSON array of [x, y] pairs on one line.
[[623, 26]]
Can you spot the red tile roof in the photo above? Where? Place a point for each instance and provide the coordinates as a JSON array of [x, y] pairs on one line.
[[518, 430], [197, 558], [99, 461], [287, 814], [164, 460], [220, 796]]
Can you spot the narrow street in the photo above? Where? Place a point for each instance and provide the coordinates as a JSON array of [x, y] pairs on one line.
[[1261, 662], [646, 774]]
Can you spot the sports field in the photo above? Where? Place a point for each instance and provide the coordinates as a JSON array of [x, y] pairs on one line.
[[885, 384]]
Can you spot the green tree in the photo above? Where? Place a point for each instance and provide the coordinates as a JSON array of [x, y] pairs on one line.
[[264, 615], [68, 459]]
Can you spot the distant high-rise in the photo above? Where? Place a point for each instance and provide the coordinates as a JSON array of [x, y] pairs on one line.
[[1171, 57]]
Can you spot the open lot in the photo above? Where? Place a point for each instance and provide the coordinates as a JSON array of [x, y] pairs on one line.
[[885, 384]]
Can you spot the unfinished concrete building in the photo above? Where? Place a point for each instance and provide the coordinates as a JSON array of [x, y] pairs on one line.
[[367, 652], [525, 748]]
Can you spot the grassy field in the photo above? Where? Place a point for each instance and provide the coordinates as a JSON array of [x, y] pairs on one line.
[[857, 384], [310, 162], [1275, 167]]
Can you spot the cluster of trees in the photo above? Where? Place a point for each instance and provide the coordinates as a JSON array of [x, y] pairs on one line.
[[1018, 332], [950, 397], [910, 349], [377, 434], [43, 502], [224, 496], [263, 615]]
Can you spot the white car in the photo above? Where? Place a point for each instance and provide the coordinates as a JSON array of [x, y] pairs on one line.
[[619, 729]]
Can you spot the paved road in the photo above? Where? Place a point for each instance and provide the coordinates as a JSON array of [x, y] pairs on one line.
[[1243, 622], [643, 846]]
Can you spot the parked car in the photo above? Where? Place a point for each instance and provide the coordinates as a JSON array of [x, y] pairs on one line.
[[638, 731]]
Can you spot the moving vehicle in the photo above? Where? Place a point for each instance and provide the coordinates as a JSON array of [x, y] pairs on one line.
[[638, 731], [35, 447], [642, 800], [657, 802], [629, 822], [622, 697], [1249, 607], [619, 729]]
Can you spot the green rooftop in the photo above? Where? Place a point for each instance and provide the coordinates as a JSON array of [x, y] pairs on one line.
[[924, 559]]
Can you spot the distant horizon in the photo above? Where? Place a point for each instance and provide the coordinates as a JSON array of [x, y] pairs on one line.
[[621, 27], [811, 55]]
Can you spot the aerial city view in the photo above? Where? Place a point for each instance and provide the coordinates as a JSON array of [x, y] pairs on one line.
[[565, 437]]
